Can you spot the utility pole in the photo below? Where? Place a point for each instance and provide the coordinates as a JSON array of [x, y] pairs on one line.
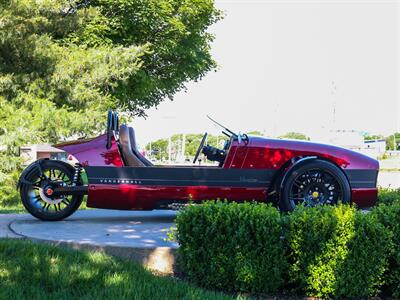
[[169, 149], [333, 95]]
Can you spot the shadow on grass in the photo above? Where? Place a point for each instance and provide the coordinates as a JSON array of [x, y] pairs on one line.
[[37, 271]]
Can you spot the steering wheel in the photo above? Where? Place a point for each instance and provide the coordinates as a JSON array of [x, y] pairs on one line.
[[203, 140], [110, 121]]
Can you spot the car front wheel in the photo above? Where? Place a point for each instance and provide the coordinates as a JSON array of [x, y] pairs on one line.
[[314, 183]]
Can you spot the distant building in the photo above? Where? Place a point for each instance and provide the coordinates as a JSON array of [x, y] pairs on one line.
[[376, 145], [350, 139], [34, 152], [354, 140]]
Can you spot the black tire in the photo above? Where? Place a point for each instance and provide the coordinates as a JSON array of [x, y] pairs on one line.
[[34, 200], [302, 183]]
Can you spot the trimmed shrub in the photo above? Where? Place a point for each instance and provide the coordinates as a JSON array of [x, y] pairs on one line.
[[389, 216], [233, 247], [336, 252], [327, 251], [388, 196], [362, 273], [8, 190], [318, 244]]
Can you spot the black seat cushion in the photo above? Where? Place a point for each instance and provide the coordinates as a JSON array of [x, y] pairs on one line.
[[128, 155], [143, 159]]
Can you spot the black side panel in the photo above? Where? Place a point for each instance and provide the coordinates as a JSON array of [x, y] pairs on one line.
[[180, 176], [362, 178]]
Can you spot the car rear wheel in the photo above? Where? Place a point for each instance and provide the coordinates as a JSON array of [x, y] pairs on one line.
[[314, 183], [35, 196]]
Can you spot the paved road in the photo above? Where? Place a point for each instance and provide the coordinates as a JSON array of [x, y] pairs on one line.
[[389, 179]]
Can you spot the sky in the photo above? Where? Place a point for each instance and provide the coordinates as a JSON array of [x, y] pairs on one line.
[[306, 66]]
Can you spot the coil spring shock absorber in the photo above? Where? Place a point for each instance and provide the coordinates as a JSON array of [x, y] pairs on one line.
[[77, 174]]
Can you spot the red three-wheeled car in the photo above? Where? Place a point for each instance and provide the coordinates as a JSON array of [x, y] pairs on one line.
[[285, 172]]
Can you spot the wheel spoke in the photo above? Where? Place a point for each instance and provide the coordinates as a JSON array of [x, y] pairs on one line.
[[298, 184], [66, 202], [60, 175]]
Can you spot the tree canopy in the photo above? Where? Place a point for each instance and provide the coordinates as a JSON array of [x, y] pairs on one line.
[[255, 132], [63, 63], [373, 137], [295, 136]]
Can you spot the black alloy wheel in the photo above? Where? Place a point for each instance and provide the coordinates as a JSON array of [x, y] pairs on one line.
[[314, 183], [36, 192]]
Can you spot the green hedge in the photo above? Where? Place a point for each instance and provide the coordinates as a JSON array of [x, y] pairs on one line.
[[230, 247], [389, 216], [330, 252], [388, 196], [336, 252]]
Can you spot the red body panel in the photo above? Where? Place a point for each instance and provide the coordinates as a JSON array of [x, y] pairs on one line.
[[93, 152], [364, 197], [127, 196], [258, 153], [264, 153]]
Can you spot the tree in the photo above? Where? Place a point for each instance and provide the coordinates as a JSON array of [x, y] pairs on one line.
[[91, 55], [174, 30], [255, 132], [390, 141], [63, 63], [295, 136], [373, 137]]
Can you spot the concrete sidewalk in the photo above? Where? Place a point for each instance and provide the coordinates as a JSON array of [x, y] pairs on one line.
[[5, 221], [136, 235]]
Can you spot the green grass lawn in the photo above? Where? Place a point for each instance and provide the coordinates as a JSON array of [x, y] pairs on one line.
[[40, 271], [20, 209]]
